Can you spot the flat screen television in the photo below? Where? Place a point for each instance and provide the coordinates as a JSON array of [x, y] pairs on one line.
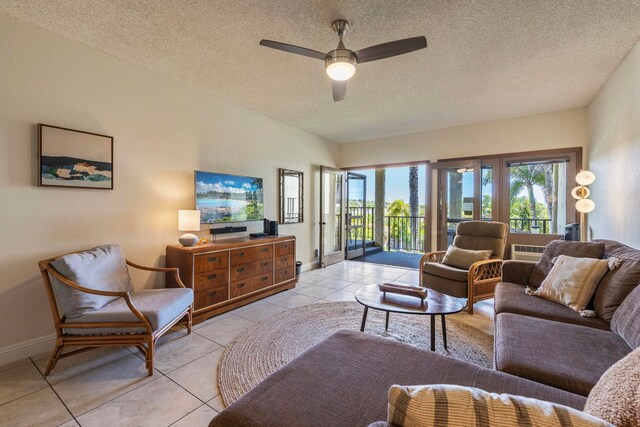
[[228, 198]]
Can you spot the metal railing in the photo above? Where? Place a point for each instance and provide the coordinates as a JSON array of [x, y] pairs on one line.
[[404, 233], [528, 225]]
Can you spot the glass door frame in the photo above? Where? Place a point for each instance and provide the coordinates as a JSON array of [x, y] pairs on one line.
[[350, 254], [338, 255]]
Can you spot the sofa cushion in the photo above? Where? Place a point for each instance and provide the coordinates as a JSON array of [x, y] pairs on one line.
[[561, 247], [511, 298], [102, 268], [572, 281], [453, 405], [569, 357], [626, 319], [160, 306], [343, 381], [618, 283], [616, 397], [464, 258]]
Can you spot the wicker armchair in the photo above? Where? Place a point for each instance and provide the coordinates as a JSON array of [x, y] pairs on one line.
[[479, 281], [94, 305]]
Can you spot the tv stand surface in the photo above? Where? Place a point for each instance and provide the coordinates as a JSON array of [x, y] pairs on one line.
[[233, 272]]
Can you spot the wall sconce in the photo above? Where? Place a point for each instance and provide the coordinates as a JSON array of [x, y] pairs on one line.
[[584, 205], [188, 220]]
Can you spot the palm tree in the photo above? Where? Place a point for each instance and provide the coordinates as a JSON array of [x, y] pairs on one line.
[[526, 177], [413, 204]]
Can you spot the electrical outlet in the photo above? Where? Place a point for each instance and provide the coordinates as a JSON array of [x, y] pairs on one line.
[[316, 253]]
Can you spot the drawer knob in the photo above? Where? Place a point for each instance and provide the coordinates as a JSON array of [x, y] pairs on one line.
[[212, 259], [240, 285], [240, 253], [264, 264], [240, 269], [263, 250], [211, 276], [264, 278], [211, 293]]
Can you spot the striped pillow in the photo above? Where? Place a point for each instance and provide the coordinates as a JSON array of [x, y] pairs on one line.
[[445, 405], [573, 281]]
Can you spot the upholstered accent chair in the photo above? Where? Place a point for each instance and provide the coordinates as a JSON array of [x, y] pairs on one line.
[[468, 277], [93, 304]]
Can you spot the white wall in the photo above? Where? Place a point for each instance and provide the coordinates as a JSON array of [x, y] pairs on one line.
[[614, 154], [561, 129], [163, 130]]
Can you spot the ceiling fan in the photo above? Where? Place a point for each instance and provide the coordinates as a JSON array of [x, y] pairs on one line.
[[340, 63]]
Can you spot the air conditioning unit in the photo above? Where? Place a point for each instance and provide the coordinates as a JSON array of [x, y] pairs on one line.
[[526, 252]]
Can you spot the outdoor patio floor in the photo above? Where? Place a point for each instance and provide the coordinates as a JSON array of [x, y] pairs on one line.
[[397, 259]]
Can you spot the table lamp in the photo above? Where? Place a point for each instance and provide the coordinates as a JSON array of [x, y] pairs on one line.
[[188, 220]]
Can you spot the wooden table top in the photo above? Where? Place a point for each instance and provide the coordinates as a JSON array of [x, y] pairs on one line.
[[436, 303]]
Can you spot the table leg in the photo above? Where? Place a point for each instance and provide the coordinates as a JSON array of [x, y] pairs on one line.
[[386, 323], [444, 331], [364, 318], [433, 332]]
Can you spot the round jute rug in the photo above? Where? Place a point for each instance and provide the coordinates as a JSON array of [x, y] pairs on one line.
[[262, 349]]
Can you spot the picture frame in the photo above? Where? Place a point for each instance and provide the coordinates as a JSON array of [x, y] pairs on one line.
[[74, 158]]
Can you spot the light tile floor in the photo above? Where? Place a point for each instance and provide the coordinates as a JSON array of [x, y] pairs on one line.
[[109, 386]]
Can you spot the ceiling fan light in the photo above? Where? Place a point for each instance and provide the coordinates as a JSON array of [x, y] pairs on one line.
[[340, 64], [341, 71]]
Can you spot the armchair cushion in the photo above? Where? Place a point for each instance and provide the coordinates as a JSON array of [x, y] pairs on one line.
[[476, 235], [463, 258], [625, 320], [101, 268], [160, 306], [561, 247], [446, 272]]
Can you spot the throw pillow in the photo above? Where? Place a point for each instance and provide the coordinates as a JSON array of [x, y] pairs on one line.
[[102, 268], [463, 258], [562, 247], [616, 396], [444, 405], [573, 281]]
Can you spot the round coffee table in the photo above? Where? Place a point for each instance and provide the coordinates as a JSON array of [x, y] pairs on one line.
[[435, 304]]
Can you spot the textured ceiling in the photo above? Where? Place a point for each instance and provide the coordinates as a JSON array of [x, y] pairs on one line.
[[486, 60]]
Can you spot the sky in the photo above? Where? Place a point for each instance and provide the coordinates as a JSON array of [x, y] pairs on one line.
[[396, 184]]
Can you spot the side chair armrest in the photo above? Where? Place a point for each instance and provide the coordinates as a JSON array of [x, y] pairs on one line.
[[173, 270], [436, 256], [487, 270]]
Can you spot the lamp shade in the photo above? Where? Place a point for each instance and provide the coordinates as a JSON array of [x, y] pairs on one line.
[[585, 178], [585, 205], [189, 220]]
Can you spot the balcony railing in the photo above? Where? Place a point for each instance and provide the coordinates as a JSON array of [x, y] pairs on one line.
[[405, 233]]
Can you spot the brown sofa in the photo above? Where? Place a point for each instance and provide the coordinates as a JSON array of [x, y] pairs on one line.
[[551, 344], [546, 351]]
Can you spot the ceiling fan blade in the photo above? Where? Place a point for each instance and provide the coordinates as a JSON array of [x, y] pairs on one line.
[[294, 49], [339, 90], [387, 50]]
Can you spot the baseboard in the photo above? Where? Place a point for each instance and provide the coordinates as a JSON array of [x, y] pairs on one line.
[[310, 265], [24, 349]]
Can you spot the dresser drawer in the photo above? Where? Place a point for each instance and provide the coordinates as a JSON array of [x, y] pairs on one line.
[[208, 262], [283, 261], [209, 279], [262, 281], [283, 274], [284, 248], [241, 287], [211, 296], [243, 256], [254, 268]]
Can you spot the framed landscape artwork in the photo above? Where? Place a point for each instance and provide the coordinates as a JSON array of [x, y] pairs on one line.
[[73, 158]]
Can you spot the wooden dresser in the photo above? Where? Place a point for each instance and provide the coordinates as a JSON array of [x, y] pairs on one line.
[[233, 272]]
